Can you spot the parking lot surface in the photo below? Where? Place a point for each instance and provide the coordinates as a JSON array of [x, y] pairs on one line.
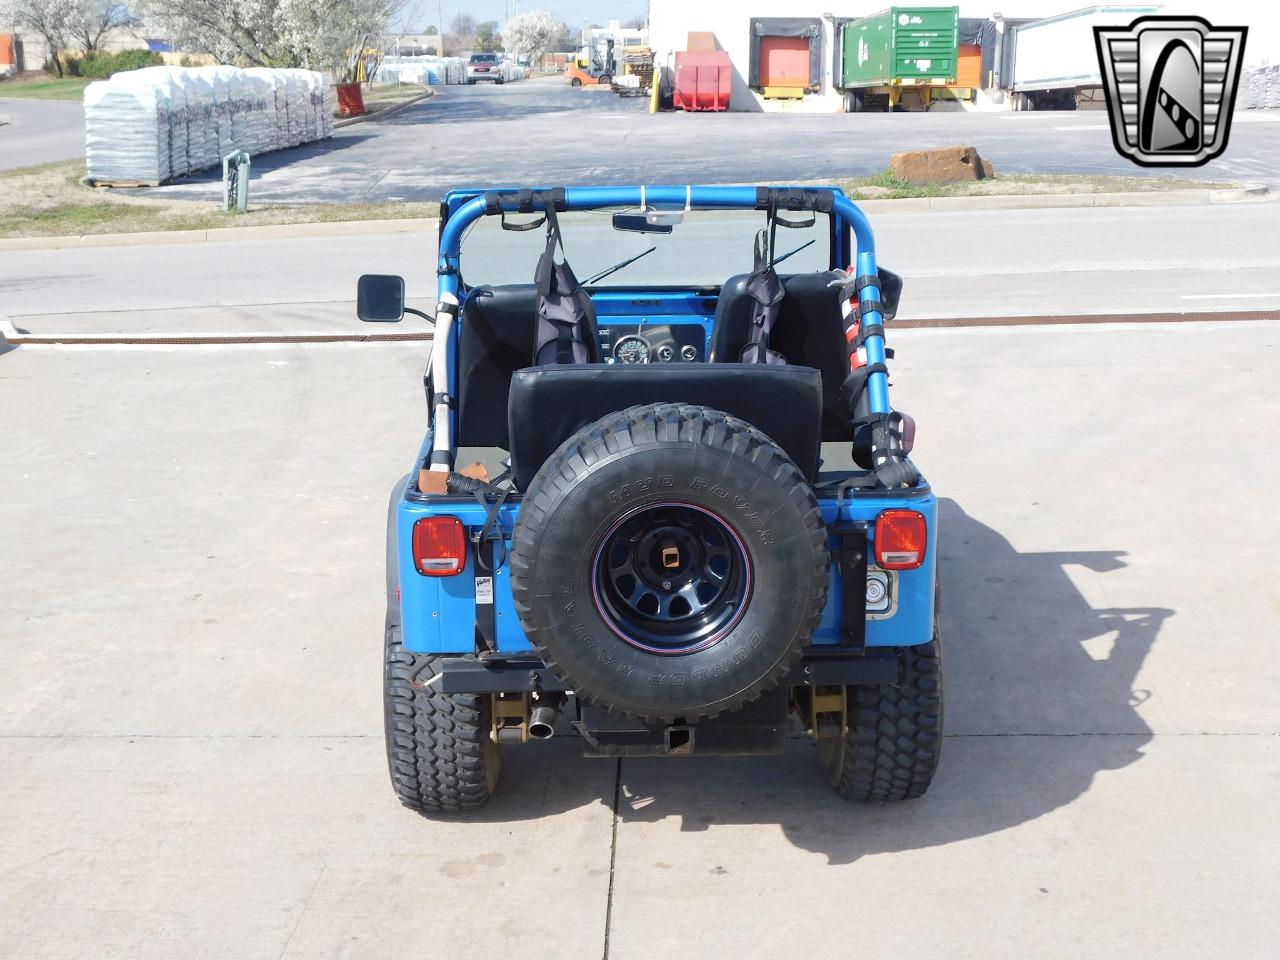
[[39, 131], [542, 131], [190, 731]]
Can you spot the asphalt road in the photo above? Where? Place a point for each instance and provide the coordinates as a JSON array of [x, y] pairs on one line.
[[39, 131], [976, 263], [190, 731], [541, 132]]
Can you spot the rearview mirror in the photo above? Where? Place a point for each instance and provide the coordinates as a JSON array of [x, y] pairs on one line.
[[638, 223], [890, 291], [380, 298]]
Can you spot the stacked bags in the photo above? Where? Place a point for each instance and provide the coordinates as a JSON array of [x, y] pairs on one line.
[[156, 124]]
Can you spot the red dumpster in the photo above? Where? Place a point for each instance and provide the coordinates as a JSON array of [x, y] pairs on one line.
[[704, 80]]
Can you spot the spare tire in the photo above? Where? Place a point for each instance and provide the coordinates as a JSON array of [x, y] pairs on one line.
[[669, 562]]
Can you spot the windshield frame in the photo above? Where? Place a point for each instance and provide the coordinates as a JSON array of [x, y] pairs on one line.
[[840, 240]]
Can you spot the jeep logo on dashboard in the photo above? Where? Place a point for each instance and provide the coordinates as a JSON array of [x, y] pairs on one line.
[[1171, 86]]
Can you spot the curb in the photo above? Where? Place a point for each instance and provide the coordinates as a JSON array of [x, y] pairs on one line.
[[1250, 192], [278, 231], [10, 338], [382, 114]]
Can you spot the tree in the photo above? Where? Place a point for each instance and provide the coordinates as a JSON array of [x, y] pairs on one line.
[[48, 19], [487, 38], [336, 35], [461, 34], [638, 22], [531, 35], [91, 20], [331, 35]]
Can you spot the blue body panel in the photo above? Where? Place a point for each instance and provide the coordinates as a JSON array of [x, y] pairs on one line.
[[438, 614]]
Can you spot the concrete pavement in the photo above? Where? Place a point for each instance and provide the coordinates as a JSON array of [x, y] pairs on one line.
[[189, 682], [542, 132], [39, 131]]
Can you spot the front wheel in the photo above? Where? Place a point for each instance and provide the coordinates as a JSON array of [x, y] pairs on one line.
[[605, 79], [893, 740], [440, 748]]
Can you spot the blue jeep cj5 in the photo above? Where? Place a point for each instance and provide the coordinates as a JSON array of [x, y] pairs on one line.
[[668, 507]]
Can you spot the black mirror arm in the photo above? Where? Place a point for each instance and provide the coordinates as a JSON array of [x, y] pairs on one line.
[[419, 313]]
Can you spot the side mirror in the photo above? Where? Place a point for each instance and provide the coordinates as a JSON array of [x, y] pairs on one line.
[[638, 223], [890, 291], [380, 298]]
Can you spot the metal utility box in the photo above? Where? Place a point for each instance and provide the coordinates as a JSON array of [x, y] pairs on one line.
[[901, 45], [703, 80]]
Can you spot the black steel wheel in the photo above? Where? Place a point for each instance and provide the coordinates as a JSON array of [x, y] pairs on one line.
[[672, 578]]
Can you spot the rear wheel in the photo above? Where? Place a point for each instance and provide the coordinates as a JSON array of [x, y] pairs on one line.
[[891, 748], [440, 751], [575, 82]]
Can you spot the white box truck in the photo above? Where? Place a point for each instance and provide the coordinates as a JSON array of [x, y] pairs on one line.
[[1055, 60]]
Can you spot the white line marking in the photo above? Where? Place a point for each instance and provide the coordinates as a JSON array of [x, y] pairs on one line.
[[1225, 296]]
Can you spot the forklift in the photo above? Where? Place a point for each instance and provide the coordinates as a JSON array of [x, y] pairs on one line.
[[593, 66]]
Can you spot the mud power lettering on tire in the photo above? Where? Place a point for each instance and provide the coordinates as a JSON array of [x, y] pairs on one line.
[[629, 491], [748, 513]]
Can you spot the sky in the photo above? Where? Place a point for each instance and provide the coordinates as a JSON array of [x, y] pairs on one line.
[[574, 12]]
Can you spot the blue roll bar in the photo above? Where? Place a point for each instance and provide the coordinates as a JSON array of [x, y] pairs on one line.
[[673, 198]]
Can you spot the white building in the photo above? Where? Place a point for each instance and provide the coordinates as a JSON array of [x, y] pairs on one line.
[[731, 21], [780, 32]]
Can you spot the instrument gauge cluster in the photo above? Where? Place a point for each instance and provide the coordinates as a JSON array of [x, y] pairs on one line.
[[631, 348]]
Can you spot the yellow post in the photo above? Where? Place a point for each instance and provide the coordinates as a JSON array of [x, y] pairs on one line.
[[656, 83]]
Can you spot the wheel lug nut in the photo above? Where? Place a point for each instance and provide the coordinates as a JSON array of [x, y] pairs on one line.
[[666, 584]]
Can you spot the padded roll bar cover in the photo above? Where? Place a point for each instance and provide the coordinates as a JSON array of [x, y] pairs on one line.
[[795, 198], [550, 404], [809, 332]]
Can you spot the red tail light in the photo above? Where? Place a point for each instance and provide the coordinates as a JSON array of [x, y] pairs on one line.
[[439, 546], [901, 539]]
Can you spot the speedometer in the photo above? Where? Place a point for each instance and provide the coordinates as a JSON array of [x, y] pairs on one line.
[[631, 349]]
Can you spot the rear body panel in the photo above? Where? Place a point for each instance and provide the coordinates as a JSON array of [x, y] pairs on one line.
[[438, 614]]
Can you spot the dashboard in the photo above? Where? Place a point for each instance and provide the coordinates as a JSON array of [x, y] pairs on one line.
[[653, 343], [655, 326]]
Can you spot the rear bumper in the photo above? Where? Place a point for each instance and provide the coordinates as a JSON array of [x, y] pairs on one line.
[[817, 667]]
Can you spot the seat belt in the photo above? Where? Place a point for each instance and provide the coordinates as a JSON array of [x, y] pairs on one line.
[[766, 292], [561, 317]]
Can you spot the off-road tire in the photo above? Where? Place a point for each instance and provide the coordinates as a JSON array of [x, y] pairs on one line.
[[655, 456], [439, 749], [891, 749]]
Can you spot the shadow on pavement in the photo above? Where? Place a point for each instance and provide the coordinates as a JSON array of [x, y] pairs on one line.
[[1040, 699]]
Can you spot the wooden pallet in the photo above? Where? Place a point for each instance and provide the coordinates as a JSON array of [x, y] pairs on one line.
[[122, 184]]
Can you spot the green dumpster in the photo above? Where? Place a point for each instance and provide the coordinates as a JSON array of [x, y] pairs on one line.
[[901, 45]]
